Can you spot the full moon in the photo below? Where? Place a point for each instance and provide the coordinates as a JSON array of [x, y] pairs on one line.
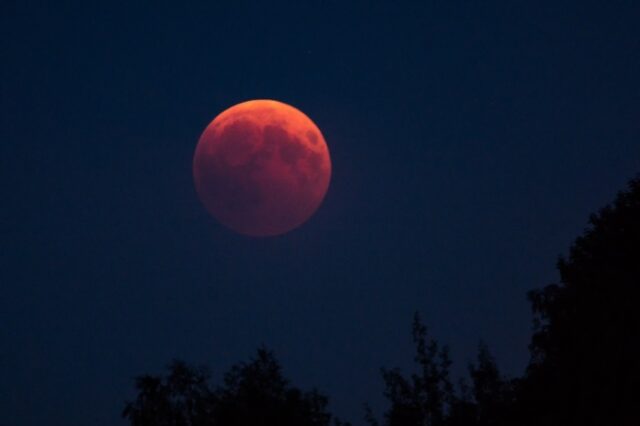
[[261, 168]]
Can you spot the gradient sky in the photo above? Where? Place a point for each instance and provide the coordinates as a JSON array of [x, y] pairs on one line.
[[470, 142]]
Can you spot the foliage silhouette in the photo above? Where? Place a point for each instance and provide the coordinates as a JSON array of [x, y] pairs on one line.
[[493, 394], [428, 398], [585, 366], [423, 398], [254, 393], [585, 359]]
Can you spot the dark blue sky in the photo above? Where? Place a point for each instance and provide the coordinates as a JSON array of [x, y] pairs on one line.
[[469, 140]]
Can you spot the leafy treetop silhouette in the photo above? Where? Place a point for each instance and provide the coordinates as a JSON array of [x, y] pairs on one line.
[[424, 397], [253, 394], [428, 397], [585, 358]]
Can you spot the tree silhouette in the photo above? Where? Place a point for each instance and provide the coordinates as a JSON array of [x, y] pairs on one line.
[[253, 394], [585, 356], [585, 366], [493, 395], [428, 398], [425, 397]]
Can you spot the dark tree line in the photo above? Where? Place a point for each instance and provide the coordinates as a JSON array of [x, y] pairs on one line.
[[584, 367], [253, 393]]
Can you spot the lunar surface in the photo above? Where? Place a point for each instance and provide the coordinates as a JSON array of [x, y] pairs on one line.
[[262, 168]]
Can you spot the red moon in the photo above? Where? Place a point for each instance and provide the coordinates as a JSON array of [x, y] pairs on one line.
[[262, 168]]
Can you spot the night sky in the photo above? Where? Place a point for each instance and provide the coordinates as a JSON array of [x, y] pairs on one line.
[[470, 141]]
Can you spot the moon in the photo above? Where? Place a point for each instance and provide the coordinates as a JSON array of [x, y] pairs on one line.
[[261, 168]]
